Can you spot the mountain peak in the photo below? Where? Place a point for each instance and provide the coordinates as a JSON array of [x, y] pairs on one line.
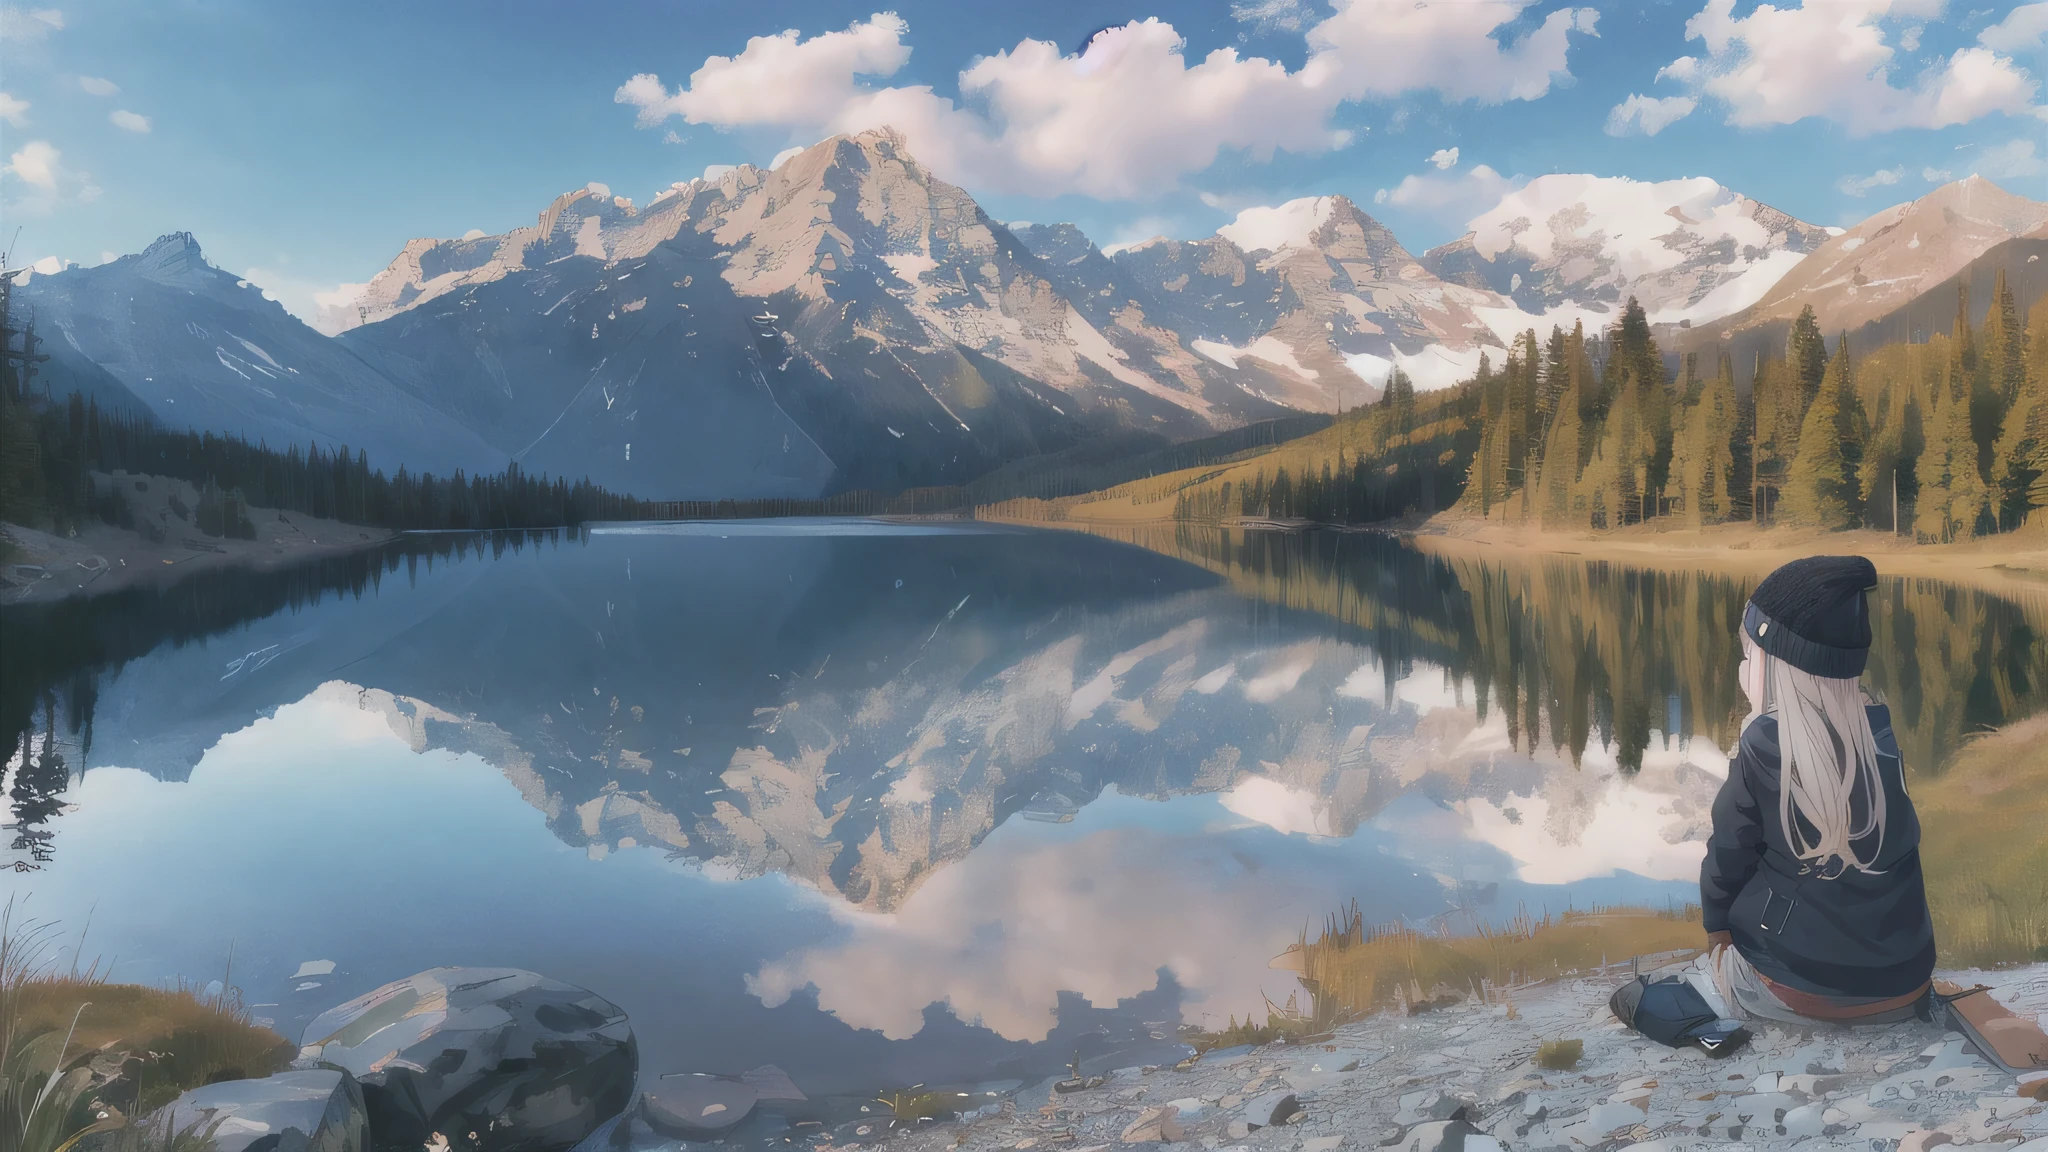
[[1283, 226], [170, 256]]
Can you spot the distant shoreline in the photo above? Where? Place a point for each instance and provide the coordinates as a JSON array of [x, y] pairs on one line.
[[44, 569], [2006, 563]]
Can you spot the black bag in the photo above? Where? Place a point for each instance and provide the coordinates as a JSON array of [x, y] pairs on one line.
[[1669, 1010]]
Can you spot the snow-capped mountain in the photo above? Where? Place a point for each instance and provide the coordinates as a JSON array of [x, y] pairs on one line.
[[1572, 247], [842, 320], [1322, 295], [165, 332], [1890, 259]]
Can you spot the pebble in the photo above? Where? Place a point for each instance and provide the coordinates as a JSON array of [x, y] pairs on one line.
[[1898, 1088]]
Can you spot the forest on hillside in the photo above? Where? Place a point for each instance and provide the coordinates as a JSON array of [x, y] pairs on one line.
[[1943, 440]]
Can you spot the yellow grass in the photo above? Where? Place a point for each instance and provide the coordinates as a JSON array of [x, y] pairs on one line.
[[1366, 969], [1984, 850], [196, 1040]]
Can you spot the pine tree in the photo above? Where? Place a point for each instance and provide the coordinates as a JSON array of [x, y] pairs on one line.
[[1821, 488], [1807, 354], [1560, 475], [1953, 496], [1709, 459], [2005, 344]]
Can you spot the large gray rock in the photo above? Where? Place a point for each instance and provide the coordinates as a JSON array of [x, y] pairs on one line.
[[492, 1059], [320, 1110]]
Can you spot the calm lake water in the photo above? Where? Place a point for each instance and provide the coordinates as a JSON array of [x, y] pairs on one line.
[[887, 804]]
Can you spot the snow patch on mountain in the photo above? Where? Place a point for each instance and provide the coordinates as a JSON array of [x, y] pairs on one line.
[[1280, 228], [1572, 246]]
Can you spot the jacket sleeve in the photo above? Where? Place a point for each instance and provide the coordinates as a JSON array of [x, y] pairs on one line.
[[1735, 849]]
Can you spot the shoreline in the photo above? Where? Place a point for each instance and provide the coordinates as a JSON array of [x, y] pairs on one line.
[[1467, 1077], [101, 559], [2008, 563]]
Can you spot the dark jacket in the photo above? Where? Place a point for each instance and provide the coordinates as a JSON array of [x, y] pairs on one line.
[[1863, 934]]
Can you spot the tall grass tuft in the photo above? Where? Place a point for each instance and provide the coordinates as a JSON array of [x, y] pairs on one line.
[[43, 1087], [1366, 968], [80, 1055]]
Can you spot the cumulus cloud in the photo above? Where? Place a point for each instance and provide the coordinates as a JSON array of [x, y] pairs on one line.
[[1368, 49], [328, 308], [1830, 59], [128, 121], [1444, 158], [2023, 29], [1450, 197], [13, 110], [1936, 175], [36, 165], [1859, 185], [1648, 115], [1130, 114], [98, 86]]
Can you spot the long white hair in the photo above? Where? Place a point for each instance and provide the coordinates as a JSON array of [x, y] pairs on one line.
[[1827, 761]]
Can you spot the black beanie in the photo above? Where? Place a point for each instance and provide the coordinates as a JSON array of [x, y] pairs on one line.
[[1812, 614]]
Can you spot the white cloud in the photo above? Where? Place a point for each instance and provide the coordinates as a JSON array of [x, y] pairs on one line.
[[107, 257], [47, 266], [19, 26], [1452, 198], [1371, 49], [1882, 178], [98, 86], [1829, 58], [1444, 158], [2011, 160], [473, 234], [1936, 175], [783, 156], [36, 164], [328, 308], [2023, 28], [712, 172], [1130, 115], [13, 110], [1648, 115], [128, 121]]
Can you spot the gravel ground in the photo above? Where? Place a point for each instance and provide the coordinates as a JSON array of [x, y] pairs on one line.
[[1464, 1077]]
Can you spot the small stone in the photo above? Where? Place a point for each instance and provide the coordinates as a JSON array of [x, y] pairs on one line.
[[1153, 1125], [1237, 1130], [1922, 1140], [1272, 1108], [691, 1107], [1804, 1121]]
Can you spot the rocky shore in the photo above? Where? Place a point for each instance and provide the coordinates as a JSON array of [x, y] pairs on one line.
[[1465, 1077], [499, 1060]]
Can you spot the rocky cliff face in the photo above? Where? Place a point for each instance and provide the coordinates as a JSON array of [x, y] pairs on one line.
[[1894, 256], [843, 320], [1322, 298], [166, 333]]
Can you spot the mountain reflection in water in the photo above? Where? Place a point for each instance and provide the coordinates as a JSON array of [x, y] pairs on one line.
[[886, 802]]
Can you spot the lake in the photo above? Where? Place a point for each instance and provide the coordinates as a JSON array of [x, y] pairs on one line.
[[887, 804]]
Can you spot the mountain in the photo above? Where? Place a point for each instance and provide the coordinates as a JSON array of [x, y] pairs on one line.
[[166, 333], [1321, 295], [1891, 259], [843, 320], [1570, 247]]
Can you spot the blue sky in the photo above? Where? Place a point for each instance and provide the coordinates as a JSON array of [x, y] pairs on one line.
[[304, 144]]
